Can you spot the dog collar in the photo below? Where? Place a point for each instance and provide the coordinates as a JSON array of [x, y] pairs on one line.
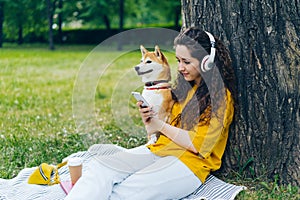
[[152, 83], [157, 88]]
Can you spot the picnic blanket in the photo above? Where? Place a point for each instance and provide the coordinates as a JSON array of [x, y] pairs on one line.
[[18, 189]]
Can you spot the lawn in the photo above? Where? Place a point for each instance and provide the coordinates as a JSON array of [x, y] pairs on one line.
[[48, 112]]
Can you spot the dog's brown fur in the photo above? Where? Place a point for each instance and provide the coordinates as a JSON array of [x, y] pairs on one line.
[[154, 67]]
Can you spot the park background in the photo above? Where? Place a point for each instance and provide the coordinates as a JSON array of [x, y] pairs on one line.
[[44, 43]]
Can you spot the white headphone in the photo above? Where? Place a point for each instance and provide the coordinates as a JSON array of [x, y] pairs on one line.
[[207, 62]]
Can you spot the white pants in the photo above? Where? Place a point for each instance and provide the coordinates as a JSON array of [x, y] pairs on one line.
[[134, 175]]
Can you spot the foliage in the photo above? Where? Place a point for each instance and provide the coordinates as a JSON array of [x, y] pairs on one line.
[[29, 17], [141, 12], [95, 13], [137, 12]]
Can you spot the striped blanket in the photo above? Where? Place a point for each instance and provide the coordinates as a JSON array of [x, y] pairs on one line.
[[18, 188]]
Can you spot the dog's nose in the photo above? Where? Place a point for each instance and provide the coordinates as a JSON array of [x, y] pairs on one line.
[[136, 68]]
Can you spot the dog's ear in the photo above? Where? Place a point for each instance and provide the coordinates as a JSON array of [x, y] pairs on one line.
[[159, 54], [143, 50]]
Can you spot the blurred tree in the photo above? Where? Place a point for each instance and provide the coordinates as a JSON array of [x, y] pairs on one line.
[[97, 12], [18, 17], [151, 12], [23, 17], [1, 22], [121, 15], [29, 19], [134, 13], [263, 38], [121, 21], [51, 5], [60, 20], [66, 11], [170, 11]]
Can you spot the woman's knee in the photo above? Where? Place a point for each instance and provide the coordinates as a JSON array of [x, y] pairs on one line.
[[168, 178]]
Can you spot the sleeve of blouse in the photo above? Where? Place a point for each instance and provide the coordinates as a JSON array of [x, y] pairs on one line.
[[205, 134]]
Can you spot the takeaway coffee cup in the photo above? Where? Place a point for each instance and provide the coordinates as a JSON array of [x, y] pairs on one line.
[[75, 168]]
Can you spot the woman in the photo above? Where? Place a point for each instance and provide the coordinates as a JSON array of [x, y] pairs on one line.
[[190, 146]]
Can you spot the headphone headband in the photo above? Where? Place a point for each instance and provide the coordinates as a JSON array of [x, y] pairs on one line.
[[211, 38]]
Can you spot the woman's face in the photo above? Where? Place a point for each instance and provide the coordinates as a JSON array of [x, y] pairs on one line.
[[187, 65]]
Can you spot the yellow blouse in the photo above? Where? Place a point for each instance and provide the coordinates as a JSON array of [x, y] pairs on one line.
[[209, 137]]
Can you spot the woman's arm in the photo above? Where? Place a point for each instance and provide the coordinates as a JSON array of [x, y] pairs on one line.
[[153, 124], [177, 135]]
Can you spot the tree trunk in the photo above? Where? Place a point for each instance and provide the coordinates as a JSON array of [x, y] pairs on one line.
[[121, 22], [20, 34], [60, 21], [177, 17], [106, 22], [263, 38], [121, 15], [50, 23], [1, 22]]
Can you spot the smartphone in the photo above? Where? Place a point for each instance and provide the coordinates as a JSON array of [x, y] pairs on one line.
[[139, 97]]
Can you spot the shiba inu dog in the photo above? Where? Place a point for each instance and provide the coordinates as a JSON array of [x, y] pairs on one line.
[[155, 72]]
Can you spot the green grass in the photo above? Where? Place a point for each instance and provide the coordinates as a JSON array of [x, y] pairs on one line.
[[37, 124], [36, 110]]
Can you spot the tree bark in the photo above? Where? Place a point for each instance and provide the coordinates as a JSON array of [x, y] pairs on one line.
[[177, 17], [60, 21], [263, 38], [50, 9], [121, 22], [1, 23], [121, 15], [20, 34], [106, 22]]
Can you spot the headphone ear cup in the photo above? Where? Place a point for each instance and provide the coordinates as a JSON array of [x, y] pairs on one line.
[[207, 62], [204, 64]]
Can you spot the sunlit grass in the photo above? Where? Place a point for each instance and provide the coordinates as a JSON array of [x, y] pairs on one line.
[[37, 124], [36, 110]]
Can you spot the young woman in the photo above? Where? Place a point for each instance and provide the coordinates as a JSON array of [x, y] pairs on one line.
[[190, 145]]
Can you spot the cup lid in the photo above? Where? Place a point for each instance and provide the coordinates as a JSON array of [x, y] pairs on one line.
[[74, 161]]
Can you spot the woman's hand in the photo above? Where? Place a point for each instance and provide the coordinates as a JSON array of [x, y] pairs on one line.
[[146, 113], [149, 118], [153, 125]]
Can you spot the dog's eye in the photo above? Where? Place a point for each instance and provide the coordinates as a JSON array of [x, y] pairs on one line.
[[149, 61]]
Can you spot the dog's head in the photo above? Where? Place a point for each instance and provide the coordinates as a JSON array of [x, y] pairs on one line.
[[153, 66]]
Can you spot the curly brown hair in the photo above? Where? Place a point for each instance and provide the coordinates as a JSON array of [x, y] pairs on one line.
[[213, 83]]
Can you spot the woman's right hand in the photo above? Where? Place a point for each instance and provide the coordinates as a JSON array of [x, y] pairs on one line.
[[146, 112]]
